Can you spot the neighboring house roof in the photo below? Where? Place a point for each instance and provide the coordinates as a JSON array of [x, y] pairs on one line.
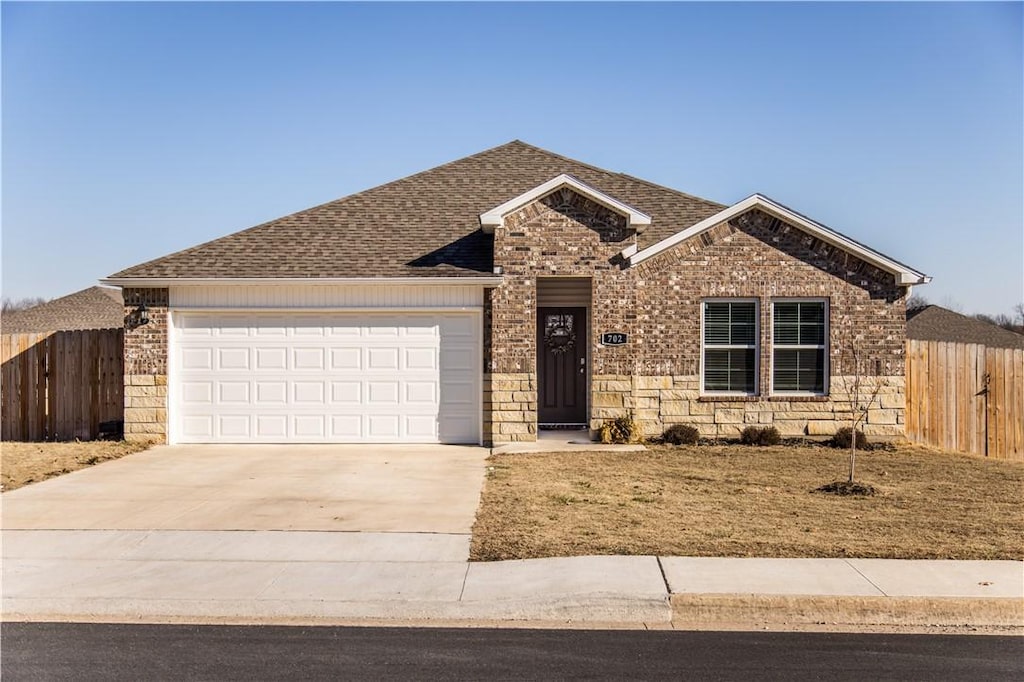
[[425, 225], [935, 323], [92, 308]]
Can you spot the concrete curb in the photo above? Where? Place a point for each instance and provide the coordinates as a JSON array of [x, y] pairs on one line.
[[619, 609], [707, 609]]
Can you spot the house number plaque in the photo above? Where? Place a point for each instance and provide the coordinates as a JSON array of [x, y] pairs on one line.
[[614, 338]]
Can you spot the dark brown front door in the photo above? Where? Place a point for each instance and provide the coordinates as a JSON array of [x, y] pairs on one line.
[[561, 365]]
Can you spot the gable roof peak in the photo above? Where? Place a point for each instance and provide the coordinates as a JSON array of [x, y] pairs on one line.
[[637, 220], [905, 275]]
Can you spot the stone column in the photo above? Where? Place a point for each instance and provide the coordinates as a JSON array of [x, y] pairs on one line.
[[145, 366]]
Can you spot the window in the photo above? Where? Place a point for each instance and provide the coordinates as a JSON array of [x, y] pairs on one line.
[[730, 347], [799, 346]]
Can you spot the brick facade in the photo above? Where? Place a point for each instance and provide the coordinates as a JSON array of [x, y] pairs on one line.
[[655, 378], [145, 367]]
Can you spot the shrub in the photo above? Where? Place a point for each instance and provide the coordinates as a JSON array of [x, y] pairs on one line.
[[681, 434], [844, 438], [760, 435], [620, 430]]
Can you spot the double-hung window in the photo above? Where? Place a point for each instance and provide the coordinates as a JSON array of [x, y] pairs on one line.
[[799, 347], [730, 348]]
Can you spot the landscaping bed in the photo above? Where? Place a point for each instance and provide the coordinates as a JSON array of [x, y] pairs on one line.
[[24, 463], [744, 501]]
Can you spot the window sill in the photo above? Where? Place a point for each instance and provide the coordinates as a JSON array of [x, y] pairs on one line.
[[798, 398], [728, 399]]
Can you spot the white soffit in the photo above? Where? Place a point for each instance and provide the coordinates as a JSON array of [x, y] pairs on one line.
[[637, 219], [905, 276]]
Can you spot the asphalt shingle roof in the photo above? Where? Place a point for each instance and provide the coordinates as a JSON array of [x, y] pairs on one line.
[[935, 323], [92, 308], [423, 225]]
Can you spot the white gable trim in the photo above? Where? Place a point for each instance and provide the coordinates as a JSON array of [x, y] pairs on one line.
[[637, 220], [905, 276]]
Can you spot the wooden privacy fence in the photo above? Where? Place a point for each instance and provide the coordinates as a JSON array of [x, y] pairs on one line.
[[966, 397], [61, 385]]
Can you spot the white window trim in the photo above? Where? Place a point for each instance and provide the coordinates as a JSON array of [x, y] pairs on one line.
[[757, 346], [826, 367]]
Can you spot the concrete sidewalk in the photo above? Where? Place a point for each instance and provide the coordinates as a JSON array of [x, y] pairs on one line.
[[268, 576]]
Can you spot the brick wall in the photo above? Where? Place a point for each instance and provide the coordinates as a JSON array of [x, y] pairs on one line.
[[145, 367], [656, 376]]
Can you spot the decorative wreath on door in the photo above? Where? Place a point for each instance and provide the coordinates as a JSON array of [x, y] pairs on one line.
[[559, 336]]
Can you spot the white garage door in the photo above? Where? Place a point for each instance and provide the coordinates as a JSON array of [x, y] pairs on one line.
[[334, 378]]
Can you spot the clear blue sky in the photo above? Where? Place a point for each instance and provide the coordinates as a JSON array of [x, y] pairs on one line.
[[134, 130]]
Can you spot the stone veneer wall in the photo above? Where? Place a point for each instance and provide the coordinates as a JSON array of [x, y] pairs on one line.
[[655, 378], [145, 367], [660, 401]]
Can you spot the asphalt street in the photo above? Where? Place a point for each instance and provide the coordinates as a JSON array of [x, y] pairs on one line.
[[62, 651]]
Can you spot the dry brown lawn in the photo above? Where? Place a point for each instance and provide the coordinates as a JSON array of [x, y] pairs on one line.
[[740, 501], [24, 463]]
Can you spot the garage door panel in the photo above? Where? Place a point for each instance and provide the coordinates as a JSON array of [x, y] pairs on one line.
[[385, 358], [308, 392], [457, 359], [325, 378], [421, 427], [384, 329], [424, 392], [230, 359], [420, 358], [345, 358], [200, 359], [382, 393], [457, 392], [346, 427], [234, 426], [308, 328], [383, 426], [198, 426], [346, 392], [266, 327], [308, 358], [425, 329], [197, 392], [459, 327], [271, 359], [451, 428], [342, 331], [270, 426], [236, 329], [271, 393], [309, 426], [233, 392]]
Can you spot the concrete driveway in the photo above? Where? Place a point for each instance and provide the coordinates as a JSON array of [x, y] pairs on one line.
[[378, 488]]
